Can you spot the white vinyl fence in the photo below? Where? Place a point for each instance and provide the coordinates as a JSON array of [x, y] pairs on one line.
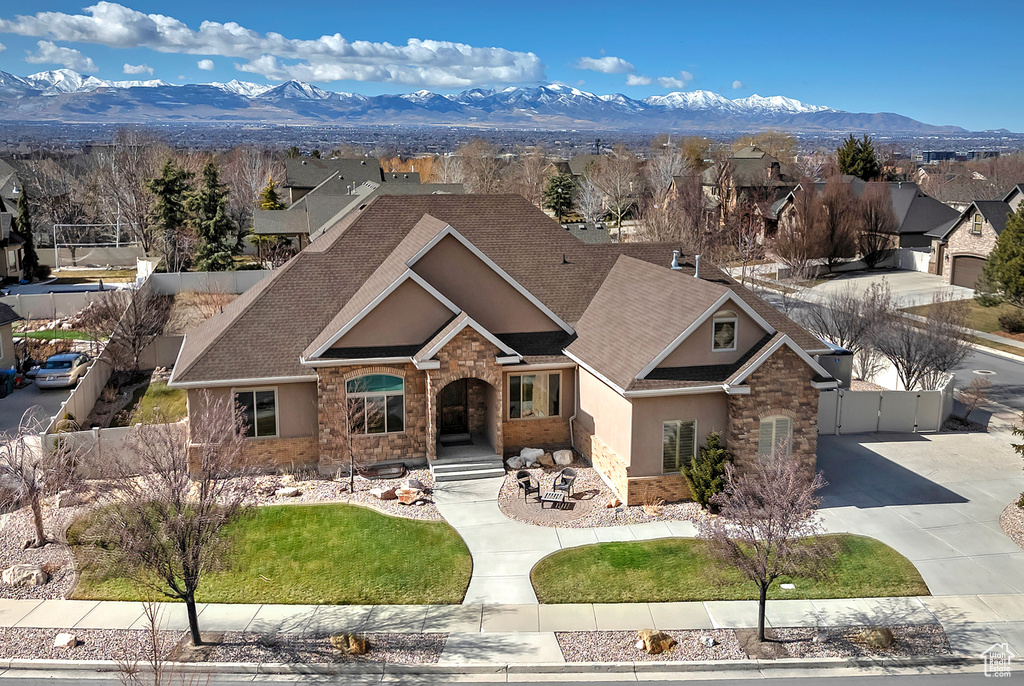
[[95, 444], [50, 305], [915, 259], [84, 396], [211, 282], [856, 412]]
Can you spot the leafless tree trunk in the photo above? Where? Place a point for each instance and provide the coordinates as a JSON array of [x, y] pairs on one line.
[[528, 174], [350, 422], [589, 199], [798, 240], [618, 177], [131, 318], [446, 169], [975, 394], [838, 222], [481, 167], [246, 170]]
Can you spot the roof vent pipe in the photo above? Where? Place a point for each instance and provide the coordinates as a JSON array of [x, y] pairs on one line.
[[675, 260], [696, 266]]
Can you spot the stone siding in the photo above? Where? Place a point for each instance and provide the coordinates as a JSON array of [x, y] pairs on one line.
[[963, 242], [669, 488], [408, 445], [780, 386], [551, 433], [275, 454]]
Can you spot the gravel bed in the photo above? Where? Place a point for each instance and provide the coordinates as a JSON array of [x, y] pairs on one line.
[[921, 639], [1012, 521], [302, 648], [314, 488], [96, 644], [620, 646], [590, 483], [15, 528]]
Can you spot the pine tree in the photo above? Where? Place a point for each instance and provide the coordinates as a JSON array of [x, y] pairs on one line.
[[272, 244], [558, 195], [857, 158], [706, 471], [171, 215], [23, 225], [1003, 277], [268, 198], [207, 206]]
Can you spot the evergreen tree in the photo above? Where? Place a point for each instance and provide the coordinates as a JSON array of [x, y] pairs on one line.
[[857, 158], [207, 206], [1003, 277], [170, 189], [558, 195], [269, 244], [706, 471], [293, 153], [23, 225], [268, 198]]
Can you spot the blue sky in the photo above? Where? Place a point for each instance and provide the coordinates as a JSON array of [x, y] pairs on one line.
[[939, 61]]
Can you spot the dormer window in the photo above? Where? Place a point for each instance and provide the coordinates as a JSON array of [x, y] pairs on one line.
[[724, 332], [976, 227]]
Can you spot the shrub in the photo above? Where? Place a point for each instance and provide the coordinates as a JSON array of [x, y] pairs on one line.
[[706, 471], [42, 272], [1012, 321]]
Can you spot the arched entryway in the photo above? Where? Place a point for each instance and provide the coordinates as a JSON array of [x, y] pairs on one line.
[[467, 414]]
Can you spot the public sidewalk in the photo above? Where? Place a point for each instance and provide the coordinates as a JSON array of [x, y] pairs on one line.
[[485, 634]]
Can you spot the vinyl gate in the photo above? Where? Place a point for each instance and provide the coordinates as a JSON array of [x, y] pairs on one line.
[[856, 412]]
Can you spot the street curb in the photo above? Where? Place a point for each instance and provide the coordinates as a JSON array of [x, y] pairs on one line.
[[253, 668]]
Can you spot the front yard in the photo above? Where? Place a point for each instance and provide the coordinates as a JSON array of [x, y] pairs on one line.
[[677, 570], [320, 554], [978, 318]]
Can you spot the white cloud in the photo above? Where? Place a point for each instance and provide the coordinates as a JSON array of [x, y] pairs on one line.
[[327, 58], [205, 65], [137, 69], [2, 47], [49, 53], [736, 85], [605, 65], [676, 82], [634, 80]]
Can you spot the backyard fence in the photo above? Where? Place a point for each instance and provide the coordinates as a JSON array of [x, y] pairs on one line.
[[857, 412], [85, 394], [207, 282], [50, 305], [95, 444]]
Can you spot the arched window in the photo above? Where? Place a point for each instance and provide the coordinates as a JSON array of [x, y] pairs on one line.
[[724, 332], [376, 404], [775, 430]]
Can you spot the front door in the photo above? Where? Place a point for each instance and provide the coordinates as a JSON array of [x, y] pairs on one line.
[[452, 401]]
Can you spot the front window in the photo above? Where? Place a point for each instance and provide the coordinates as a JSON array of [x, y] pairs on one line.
[[259, 411], [724, 335], [677, 444], [533, 396], [976, 227], [775, 432], [376, 404]]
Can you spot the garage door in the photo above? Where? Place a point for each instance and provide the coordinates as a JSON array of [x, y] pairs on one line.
[[966, 271]]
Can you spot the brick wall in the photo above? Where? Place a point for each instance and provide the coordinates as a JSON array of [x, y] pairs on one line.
[[780, 386], [551, 433], [276, 453], [670, 488], [963, 242]]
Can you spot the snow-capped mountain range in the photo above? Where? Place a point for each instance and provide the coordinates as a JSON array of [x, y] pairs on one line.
[[66, 95]]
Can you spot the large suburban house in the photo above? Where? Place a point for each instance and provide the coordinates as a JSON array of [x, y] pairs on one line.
[[960, 248], [7, 318], [421, 322], [11, 244]]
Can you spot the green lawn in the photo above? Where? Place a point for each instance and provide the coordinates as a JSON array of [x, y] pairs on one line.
[[676, 570], [72, 276], [324, 555], [71, 335], [978, 318], [169, 401]]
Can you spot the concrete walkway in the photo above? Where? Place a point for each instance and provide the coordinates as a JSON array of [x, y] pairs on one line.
[[504, 551], [510, 633]]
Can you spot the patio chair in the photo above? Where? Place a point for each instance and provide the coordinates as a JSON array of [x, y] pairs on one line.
[[526, 483], [564, 481]]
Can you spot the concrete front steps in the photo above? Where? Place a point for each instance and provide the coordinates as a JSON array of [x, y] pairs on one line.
[[464, 467]]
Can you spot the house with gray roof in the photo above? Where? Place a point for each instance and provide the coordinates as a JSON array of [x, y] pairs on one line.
[[478, 321]]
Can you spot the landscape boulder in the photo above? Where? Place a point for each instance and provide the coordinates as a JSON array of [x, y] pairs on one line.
[[287, 492], [65, 641], [531, 455], [563, 458], [408, 496], [350, 644], [414, 484], [654, 642], [614, 502], [384, 493], [876, 637], [546, 460], [515, 462], [24, 574]]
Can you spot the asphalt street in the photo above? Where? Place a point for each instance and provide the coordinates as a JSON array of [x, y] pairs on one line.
[[1007, 377]]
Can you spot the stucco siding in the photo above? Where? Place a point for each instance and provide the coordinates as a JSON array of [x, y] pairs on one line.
[[408, 316], [695, 350], [605, 414], [296, 407], [710, 411]]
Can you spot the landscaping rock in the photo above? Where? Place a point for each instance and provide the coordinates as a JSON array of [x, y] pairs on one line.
[[614, 502], [65, 641], [654, 642], [546, 460], [563, 458], [407, 496], [384, 493], [24, 575], [531, 454], [350, 644], [708, 641], [515, 462], [287, 492], [413, 484], [876, 637]]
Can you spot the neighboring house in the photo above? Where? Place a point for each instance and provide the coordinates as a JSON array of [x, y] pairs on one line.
[[589, 232], [753, 174], [916, 212], [442, 317], [303, 174], [11, 242], [961, 247], [7, 318]]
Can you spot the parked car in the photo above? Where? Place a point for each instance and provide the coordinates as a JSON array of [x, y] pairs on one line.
[[62, 371]]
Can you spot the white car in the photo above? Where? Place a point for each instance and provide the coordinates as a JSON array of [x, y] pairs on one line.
[[62, 371]]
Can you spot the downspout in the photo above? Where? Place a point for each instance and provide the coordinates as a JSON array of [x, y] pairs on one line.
[[575, 406]]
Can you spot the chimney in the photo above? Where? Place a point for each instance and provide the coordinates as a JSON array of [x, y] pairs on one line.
[[696, 266], [675, 260]]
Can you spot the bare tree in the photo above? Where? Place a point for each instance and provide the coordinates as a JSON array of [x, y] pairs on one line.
[[131, 318], [878, 223], [447, 169], [34, 466], [170, 500], [246, 169], [589, 199], [358, 415], [664, 165], [798, 240], [838, 222], [769, 524], [975, 394], [528, 174], [481, 167], [618, 177]]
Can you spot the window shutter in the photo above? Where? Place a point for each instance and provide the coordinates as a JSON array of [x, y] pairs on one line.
[[783, 430], [766, 437], [669, 443], [686, 440]]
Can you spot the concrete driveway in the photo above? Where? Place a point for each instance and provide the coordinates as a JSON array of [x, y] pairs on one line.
[[13, 406], [912, 288], [936, 498]]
